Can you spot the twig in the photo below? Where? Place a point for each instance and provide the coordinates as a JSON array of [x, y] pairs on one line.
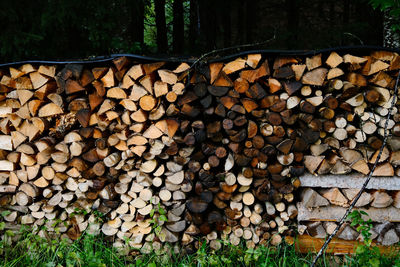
[[231, 48], [353, 203], [354, 36]]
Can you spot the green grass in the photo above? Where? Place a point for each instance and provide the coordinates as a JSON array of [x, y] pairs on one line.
[[32, 250]]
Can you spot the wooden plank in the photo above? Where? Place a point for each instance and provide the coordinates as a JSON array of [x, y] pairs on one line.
[[350, 181], [307, 244]]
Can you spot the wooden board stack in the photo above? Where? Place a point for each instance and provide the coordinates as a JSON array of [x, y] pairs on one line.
[[169, 153]]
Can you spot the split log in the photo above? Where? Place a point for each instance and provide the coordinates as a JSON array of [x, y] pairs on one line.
[[312, 199]]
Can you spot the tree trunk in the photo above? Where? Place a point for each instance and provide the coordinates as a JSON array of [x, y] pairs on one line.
[[194, 24], [222, 24], [251, 19], [178, 27], [226, 25], [390, 37], [332, 19], [235, 30], [207, 25], [346, 15], [136, 23], [293, 22], [162, 42], [139, 34], [241, 21]]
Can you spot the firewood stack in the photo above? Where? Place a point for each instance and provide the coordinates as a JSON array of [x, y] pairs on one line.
[[217, 149], [320, 208]]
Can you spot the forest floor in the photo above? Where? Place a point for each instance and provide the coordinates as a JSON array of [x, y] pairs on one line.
[[88, 250]]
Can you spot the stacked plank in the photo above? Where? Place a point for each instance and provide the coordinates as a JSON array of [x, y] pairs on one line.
[[168, 153]]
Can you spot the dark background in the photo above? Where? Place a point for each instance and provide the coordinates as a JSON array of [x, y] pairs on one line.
[[80, 29]]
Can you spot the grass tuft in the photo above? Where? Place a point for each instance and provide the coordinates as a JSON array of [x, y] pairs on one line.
[[89, 250]]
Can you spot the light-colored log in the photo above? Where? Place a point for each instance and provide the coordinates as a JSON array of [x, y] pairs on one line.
[[311, 199]]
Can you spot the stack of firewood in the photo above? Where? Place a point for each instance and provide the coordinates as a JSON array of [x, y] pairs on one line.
[[322, 207], [167, 152]]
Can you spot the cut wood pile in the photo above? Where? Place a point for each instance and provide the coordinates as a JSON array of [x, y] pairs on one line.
[[168, 153], [320, 209]]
